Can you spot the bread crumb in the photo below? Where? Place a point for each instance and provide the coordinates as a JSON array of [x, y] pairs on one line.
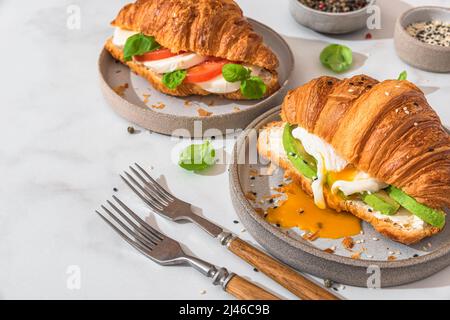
[[187, 103], [250, 196], [120, 90], [236, 109], [203, 113], [311, 236], [203, 292], [356, 256], [328, 250], [259, 211], [348, 243], [391, 258], [146, 96], [158, 105]]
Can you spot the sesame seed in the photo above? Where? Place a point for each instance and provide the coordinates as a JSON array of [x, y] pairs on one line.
[[375, 239], [386, 93], [415, 124]]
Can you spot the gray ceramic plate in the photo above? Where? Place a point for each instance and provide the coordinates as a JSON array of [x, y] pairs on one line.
[[141, 104], [412, 262]]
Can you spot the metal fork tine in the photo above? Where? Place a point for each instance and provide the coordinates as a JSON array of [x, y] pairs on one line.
[[153, 239], [156, 198], [136, 236], [155, 206], [133, 243], [151, 188], [140, 221], [166, 193]]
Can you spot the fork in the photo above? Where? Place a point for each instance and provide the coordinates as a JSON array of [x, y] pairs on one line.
[[167, 205], [166, 251]]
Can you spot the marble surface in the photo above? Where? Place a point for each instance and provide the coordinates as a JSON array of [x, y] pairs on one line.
[[62, 149]]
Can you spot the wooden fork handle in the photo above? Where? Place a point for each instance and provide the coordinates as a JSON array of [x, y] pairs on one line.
[[281, 273], [246, 290]]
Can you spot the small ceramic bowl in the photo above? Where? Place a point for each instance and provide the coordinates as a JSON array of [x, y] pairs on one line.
[[328, 22], [416, 53]]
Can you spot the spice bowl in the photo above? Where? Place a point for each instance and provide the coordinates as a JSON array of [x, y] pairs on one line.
[[329, 22], [419, 54]]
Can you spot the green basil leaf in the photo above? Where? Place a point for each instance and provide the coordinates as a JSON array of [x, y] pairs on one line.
[[337, 57], [197, 157], [253, 88], [233, 72], [139, 44], [173, 79], [403, 75]]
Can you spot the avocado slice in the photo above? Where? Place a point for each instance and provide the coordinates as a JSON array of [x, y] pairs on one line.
[[296, 153], [380, 201], [434, 217]]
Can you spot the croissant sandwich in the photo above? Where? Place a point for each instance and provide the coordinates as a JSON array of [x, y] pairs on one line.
[[374, 149], [194, 47]]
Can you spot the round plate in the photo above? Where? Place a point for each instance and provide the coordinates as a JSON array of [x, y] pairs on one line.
[[133, 98], [411, 262]]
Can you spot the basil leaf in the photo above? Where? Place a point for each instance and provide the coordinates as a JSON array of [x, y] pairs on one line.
[[253, 88], [233, 72], [337, 57], [139, 44], [197, 157], [173, 79], [403, 75]]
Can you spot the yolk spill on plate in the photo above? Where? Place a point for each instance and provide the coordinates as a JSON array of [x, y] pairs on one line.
[[299, 210]]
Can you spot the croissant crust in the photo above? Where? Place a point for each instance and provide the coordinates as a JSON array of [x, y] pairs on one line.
[[386, 129], [207, 27]]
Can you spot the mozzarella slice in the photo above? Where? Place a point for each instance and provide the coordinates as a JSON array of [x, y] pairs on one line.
[[120, 36], [219, 85], [179, 62], [361, 183]]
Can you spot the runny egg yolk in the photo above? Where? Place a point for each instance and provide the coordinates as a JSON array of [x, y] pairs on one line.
[[300, 211], [333, 171], [348, 174]]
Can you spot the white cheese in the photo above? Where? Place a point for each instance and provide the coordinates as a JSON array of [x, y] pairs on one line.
[[120, 36], [178, 62], [220, 85]]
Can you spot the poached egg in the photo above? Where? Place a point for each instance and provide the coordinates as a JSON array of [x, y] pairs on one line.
[[345, 177]]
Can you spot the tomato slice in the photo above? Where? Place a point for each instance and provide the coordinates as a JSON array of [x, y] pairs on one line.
[[205, 71], [159, 54]]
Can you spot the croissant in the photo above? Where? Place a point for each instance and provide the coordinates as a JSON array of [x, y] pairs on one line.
[[386, 130], [208, 28]]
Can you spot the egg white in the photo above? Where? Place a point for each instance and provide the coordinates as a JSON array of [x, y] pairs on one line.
[[329, 161]]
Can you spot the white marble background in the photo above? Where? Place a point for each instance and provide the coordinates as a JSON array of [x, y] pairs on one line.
[[61, 149]]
